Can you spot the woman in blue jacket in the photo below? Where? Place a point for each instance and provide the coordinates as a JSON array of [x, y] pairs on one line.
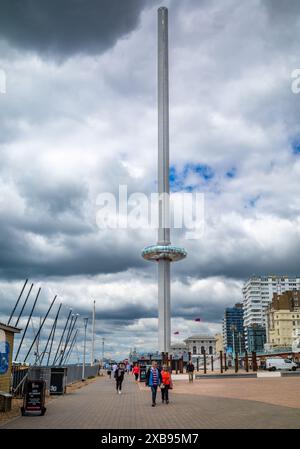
[[153, 380]]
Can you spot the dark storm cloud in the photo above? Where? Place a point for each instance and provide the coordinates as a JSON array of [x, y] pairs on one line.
[[20, 257], [69, 26], [126, 314]]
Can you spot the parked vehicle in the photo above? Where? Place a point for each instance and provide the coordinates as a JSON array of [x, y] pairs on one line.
[[273, 364]]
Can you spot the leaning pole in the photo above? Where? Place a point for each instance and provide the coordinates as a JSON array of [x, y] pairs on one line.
[[163, 253]]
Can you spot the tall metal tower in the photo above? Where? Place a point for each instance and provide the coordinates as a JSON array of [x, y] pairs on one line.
[[163, 253]]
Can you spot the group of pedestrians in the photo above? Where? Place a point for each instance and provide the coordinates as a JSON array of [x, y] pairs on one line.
[[159, 378], [156, 377]]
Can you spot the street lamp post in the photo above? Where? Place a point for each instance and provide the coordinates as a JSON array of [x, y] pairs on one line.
[[102, 352], [240, 343], [233, 328], [85, 320]]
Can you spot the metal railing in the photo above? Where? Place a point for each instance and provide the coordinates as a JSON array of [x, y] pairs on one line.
[[19, 376], [21, 373]]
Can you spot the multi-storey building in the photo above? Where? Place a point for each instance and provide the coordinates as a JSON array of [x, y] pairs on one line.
[[233, 329], [258, 292], [283, 319]]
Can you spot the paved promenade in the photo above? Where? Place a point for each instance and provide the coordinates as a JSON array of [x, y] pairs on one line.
[[97, 406]]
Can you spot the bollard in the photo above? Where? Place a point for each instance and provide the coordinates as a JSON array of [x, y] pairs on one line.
[[181, 365], [246, 361], [236, 363], [197, 363], [221, 362], [204, 360], [212, 362], [254, 361]]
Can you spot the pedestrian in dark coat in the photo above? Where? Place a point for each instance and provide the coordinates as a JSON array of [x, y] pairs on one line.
[[119, 377]]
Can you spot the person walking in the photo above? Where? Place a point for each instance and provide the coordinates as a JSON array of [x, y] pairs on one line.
[[190, 370], [114, 367], [109, 371], [119, 377], [153, 380], [136, 372], [166, 384]]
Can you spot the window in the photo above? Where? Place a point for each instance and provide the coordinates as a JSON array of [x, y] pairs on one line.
[[202, 349], [194, 350], [210, 349]]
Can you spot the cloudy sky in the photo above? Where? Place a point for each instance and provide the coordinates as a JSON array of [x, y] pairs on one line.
[[79, 118]]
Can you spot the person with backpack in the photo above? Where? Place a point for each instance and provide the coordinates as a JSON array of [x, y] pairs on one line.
[[153, 380], [119, 377]]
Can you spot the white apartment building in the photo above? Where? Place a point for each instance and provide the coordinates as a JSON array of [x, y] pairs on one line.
[[258, 293]]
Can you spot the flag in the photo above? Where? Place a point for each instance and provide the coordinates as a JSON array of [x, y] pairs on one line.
[[197, 319], [176, 333]]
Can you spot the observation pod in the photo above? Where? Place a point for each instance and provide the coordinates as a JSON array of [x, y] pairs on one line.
[[172, 253]]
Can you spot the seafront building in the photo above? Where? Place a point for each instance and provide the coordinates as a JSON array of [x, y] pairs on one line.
[[197, 344], [219, 343], [233, 329], [283, 320], [258, 292]]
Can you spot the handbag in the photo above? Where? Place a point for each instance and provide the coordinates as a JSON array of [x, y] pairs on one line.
[[162, 386]]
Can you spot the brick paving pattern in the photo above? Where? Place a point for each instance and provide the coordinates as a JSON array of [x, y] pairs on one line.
[[97, 406]]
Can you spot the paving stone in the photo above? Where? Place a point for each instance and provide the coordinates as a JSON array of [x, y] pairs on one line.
[[98, 406]]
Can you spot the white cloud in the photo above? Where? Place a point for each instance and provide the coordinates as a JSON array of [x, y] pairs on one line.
[[80, 127]]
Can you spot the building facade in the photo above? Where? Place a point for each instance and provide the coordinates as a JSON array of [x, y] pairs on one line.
[[255, 338], [219, 343], [6, 353], [233, 329], [196, 344], [258, 292], [283, 320]]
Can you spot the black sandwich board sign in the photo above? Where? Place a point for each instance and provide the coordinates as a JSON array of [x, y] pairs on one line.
[[34, 399]]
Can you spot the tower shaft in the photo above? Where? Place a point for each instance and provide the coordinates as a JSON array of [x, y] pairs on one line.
[[164, 331], [163, 252], [163, 128]]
